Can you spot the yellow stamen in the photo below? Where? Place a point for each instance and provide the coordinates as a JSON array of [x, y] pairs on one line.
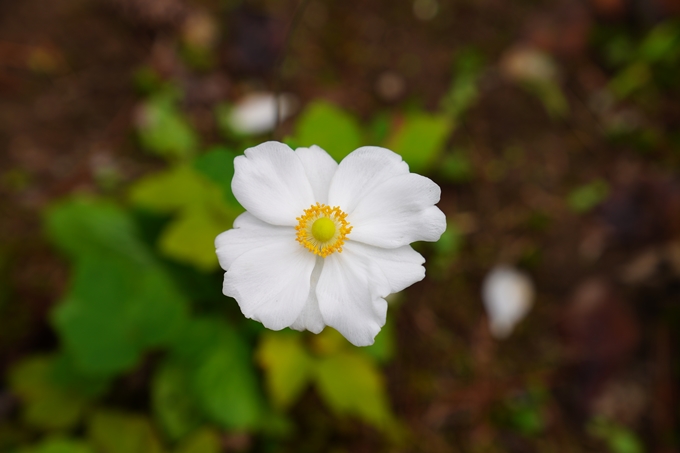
[[322, 229]]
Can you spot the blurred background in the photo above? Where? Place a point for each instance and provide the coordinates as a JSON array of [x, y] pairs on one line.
[[548, 320]]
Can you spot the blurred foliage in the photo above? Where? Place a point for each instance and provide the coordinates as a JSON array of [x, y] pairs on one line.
[[584, 198], [163, 129], [142, 314], [617, 438]]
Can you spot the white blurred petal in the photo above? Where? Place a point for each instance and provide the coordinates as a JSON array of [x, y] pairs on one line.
[[256, 112], [508, 295]]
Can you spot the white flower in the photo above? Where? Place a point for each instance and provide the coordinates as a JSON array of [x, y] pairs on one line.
[[508, 295], [323, 244]]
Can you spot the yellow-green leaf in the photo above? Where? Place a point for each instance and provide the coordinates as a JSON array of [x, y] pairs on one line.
[[350, 384], [202, 212], [119, 432], [420, 138], [190, 238], [59, 445], [288, 366], [172, 189], [203, 441]]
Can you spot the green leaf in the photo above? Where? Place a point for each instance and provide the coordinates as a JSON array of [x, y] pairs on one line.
[[287, 364], [163, 129], [170, 190], [550, 94], [46, 404], [618, 438], [119, 432], [661, 43], [630, 79], [203, 441], [350, 384], [463, 92], [84, 226], [59, 445], [175, 409], [114, 311], [329, 127], [221, 373], [226, 384], [584, 198], [420, 139], [202, 212], [190, 238], [451, 241], [120, 301], [456, 167], [217, 164]]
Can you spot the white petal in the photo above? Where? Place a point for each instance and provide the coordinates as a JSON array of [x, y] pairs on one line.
[[248, 233], [256, 112], [402, 266], [360, 172], [350, 293], [310, 318], [271, 283], [320, 168], [508, 295], [399, 211], [271, 183]]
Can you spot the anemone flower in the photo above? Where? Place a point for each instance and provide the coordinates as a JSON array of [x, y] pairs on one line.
[[322, 243]]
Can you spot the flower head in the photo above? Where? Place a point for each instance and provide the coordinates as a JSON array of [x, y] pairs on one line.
[[322, 243]]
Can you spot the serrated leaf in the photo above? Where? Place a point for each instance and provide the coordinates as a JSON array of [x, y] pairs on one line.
[[120, 301], [203, 441], [329, 127], [287, 364], [164, 130], [350, 384], [119, 432], [114, 311], [420, 138], [46, 404]]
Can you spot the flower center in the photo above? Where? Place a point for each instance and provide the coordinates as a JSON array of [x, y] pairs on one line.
[[322, 229]]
